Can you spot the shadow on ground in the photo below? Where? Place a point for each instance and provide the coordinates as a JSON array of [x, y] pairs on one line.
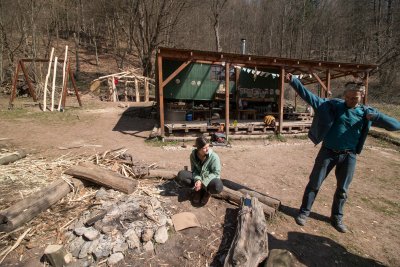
[[313, 250], [136, 121]]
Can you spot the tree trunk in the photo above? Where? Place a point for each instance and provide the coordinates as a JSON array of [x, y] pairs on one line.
[[77, 63], [235, 197], [267, 200], [26, 209], [250, 244], [8, 158], [100, 176]]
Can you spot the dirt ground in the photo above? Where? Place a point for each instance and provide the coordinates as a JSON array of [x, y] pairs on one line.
[[276, 168]]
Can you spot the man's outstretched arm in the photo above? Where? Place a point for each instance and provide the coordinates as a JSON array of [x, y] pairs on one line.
[[382, 120], [310, 98]]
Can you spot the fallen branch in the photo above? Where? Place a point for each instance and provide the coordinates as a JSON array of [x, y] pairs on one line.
[[26, 209], [8, 158], [100, 176], [19, 240], [267, 200], [235, 197]]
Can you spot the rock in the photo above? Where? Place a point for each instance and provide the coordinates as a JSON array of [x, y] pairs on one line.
[[91, 234], [147, 234], [120, 247], [103, 249], [132, 239], [84, 250], [115, 258], [155, 203], [148, 246], [279, 257], [80, 231], [57, 255], [75, 246], [93, 245], [101, 194], [162, 219], [161, 235]]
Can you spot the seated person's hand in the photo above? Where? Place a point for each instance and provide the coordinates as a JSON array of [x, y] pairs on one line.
[[197, 185]]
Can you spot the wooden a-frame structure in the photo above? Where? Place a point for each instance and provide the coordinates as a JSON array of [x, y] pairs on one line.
[[21, 66], [332, 70]]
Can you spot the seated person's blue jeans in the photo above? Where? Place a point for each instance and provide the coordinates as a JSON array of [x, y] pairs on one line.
[[185, 178]]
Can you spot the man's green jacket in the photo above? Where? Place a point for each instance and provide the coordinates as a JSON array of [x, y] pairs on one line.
[[210, 169]]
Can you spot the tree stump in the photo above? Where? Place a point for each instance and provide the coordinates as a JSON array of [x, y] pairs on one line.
[[250, 244]]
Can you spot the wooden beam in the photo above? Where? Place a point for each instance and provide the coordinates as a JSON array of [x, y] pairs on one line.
[[318, 79], [161, 93], [176, 72], [65, 87], [281, 98], [28, 81], [366, 81], [328, 83]]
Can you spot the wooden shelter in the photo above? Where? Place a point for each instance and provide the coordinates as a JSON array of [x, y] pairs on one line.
[[233, 65]]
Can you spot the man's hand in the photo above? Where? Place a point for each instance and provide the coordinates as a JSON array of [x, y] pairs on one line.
[[197, 185], [370, 116], [288, 77]]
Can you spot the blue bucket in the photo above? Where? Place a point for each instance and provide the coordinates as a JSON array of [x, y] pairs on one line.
[[189, 116]]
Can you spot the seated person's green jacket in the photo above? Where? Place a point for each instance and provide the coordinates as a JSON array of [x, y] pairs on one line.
[[210, 169]]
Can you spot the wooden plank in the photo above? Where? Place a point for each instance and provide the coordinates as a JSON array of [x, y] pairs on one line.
[[53, 86]]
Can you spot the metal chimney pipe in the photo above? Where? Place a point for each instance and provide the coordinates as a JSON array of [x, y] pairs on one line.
[[243, 46]]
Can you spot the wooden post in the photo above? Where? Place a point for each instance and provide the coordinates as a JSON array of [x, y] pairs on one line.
[[328, 83], [161, 93], [237, 93], [146, 90], [28, 81], [64, 78], [46, 81], [366, 80], [227, 67], [73, 84], [15, 81], [65, 85], [137, 95], [53, 87], [126, 91], [114, 90], [281, 98]]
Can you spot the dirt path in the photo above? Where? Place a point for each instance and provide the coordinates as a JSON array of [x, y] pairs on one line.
[[279, 169]]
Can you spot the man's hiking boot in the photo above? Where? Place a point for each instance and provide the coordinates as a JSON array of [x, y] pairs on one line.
[[196, 197], [301, 219], [339, 225], [205, 198]]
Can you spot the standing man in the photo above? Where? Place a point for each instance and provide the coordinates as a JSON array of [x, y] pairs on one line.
[[342, 127], [205, 176]]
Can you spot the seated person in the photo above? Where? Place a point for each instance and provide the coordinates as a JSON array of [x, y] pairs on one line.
[[205, 176]]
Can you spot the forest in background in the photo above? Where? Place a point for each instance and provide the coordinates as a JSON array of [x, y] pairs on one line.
[[362, 31]]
